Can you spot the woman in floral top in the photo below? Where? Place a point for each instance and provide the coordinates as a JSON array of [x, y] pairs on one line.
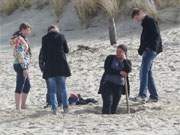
[[22, 55]]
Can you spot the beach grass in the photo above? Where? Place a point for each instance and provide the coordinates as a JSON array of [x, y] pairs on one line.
[[7, 7]]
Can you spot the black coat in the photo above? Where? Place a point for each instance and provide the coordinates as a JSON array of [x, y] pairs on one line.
[[52, 57], [150, 37], [109, 70]]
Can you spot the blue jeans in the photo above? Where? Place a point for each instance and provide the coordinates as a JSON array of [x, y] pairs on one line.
[[48, 95], [146, 77], [57, 84]]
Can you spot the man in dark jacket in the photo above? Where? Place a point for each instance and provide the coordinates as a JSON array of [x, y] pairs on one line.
[[150, 47], [55, 67]]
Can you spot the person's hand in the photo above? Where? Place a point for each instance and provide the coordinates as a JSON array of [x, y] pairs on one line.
[[124, 56], [31, 61], [140, 51], [124, 74], [25, 73]]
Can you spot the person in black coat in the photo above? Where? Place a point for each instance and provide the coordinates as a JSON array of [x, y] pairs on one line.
[[113, 80], [54, 65], [48, 102], [150, 47], [150, 37], [54, 49]]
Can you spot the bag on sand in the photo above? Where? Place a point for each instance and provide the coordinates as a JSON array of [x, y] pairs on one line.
[[76, 99]]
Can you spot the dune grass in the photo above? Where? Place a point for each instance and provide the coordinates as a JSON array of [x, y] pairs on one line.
[[58, 7], [40, 4], [146, 5], [110, 7], [86, 9], [25, 3], [167, 3], [9, 6]]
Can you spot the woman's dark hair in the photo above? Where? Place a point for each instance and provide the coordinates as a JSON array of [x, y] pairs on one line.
[[135, 12], [24, 26], [123, 47]]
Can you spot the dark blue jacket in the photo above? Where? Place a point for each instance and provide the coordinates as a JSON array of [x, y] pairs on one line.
[[109, 70]]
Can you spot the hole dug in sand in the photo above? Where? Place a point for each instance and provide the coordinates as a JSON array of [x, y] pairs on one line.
[[98, 110], [122, 109]]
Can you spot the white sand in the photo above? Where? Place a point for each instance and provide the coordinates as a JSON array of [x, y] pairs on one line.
[[162, 118]]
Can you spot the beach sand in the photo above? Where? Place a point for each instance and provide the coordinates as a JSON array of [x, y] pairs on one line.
[[162, 118]]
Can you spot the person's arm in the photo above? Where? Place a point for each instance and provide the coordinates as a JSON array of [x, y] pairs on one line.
[[141, 49], [42, 57], [143, 43], [107, 66], [127, 66], [153, 33], [65, 45], [41, 60]]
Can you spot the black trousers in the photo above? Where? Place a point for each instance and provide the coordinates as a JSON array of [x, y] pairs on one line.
[[111, 96], [22, 84]]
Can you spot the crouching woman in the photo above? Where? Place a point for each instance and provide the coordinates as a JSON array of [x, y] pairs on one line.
[[114, 78]]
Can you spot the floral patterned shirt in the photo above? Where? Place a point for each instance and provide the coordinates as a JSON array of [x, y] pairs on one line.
[[22, 53]]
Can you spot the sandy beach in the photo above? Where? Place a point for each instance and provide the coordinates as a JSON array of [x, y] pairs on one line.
[[162, 118]]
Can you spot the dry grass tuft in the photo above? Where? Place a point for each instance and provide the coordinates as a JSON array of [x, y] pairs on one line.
[[86, 9], [9, 6], [110, 7], [58, 7], [167, 3], [40, 4], [146, 5]]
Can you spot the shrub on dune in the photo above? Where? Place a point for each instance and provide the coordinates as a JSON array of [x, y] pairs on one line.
[[9, 6], [58, 6], [86, 9], [40, 4], [110, 7], [25, 3], [167, 3], [146, 5]]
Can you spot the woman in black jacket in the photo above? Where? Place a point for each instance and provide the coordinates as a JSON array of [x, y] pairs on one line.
[[55, 68], [112, 84], [53, 55]]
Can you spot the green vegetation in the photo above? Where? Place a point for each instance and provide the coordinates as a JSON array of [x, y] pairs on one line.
[[9, 6]]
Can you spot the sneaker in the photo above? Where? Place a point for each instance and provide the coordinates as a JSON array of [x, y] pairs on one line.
[[66, 110], [59, 105], [46, 106], [54, 112], [138, 99], [152, 100]]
